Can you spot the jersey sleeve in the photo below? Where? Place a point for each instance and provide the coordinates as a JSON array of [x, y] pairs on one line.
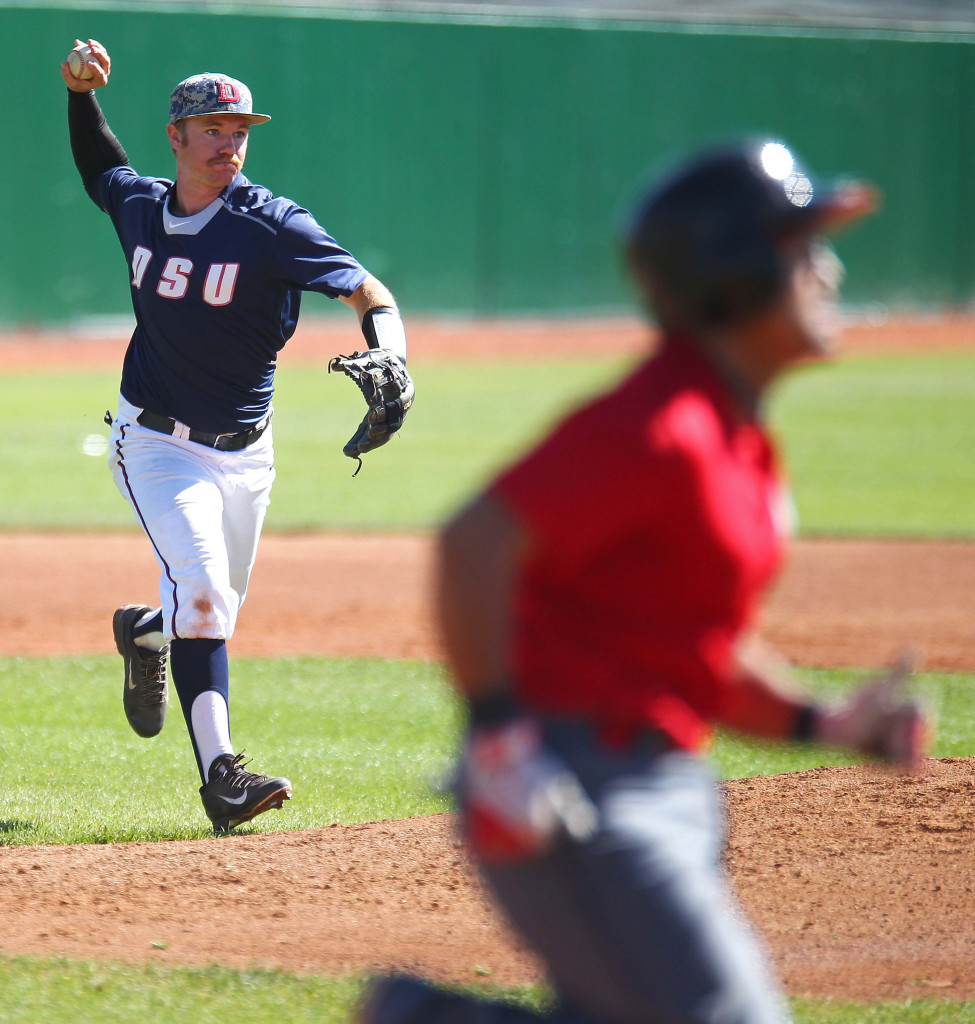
[[115, 185], [307, 257]]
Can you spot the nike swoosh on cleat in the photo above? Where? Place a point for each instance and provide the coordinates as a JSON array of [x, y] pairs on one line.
[[236, 800]]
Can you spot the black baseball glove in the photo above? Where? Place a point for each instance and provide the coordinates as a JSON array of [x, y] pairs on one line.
[[388, 389]]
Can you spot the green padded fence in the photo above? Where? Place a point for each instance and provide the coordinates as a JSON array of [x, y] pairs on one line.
[[483, 168]]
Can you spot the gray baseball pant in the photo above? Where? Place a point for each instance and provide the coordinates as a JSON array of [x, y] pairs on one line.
[[637, 925]]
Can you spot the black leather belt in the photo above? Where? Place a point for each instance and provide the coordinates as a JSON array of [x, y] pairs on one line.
[[222, 442]]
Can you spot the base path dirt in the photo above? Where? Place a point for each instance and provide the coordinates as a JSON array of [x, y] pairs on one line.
[[861, 882], [838, 602], [316, 340]]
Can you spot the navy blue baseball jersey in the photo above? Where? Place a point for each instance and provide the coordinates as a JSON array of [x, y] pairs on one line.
[[216, 295]]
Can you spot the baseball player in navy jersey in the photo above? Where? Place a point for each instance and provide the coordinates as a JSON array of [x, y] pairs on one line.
[[216, 266], [597, 603]]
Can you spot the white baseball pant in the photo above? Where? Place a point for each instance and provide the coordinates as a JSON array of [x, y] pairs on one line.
[[203, 511]]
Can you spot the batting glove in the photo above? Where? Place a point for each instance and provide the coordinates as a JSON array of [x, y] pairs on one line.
[[520, 800], [878, 720]]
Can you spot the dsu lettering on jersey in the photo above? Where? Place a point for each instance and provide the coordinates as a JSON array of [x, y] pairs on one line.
[[174, 280], [241, 265]]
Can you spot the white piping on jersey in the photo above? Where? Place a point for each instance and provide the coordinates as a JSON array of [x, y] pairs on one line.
[[193, 225], [256, 220]]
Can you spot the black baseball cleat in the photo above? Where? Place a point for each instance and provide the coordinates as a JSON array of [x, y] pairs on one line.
[[233, 796], [145, 693]]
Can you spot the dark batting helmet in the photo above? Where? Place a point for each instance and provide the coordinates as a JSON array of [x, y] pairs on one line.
[[708, 246]]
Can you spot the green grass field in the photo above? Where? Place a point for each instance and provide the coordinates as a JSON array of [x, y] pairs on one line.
[[361, 739], [878, 446], [882, 446], [55, 990]]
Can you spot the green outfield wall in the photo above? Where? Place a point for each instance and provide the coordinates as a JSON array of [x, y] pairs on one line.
[[482, 168]]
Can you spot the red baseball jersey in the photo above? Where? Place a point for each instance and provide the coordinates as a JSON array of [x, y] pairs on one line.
[[658, 518]]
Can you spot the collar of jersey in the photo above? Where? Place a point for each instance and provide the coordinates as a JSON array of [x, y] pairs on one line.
[[189, 225]]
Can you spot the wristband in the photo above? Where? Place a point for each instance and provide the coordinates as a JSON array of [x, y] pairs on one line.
[[493, 708], [804, 727], [382, 327]]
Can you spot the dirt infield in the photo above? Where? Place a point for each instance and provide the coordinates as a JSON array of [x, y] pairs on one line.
[[861, 883], [838, 602], [316, 341]]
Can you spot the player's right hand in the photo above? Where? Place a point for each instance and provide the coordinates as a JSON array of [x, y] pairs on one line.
[[879, 720], [101, 69]]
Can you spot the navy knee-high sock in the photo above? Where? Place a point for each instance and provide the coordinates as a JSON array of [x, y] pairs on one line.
[[198, 666]]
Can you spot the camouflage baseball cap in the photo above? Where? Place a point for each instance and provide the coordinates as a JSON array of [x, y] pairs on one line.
[[212, 93]]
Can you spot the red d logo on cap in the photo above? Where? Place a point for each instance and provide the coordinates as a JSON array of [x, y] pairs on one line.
[[227, 93]]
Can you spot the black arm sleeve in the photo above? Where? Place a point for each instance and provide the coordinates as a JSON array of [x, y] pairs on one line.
[[94, 147]]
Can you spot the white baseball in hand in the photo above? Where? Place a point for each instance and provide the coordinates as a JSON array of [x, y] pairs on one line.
[[80, 60]]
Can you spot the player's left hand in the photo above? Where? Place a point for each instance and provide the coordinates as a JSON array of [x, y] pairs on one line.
[[879, 720], [388, 389], [519, 798]]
